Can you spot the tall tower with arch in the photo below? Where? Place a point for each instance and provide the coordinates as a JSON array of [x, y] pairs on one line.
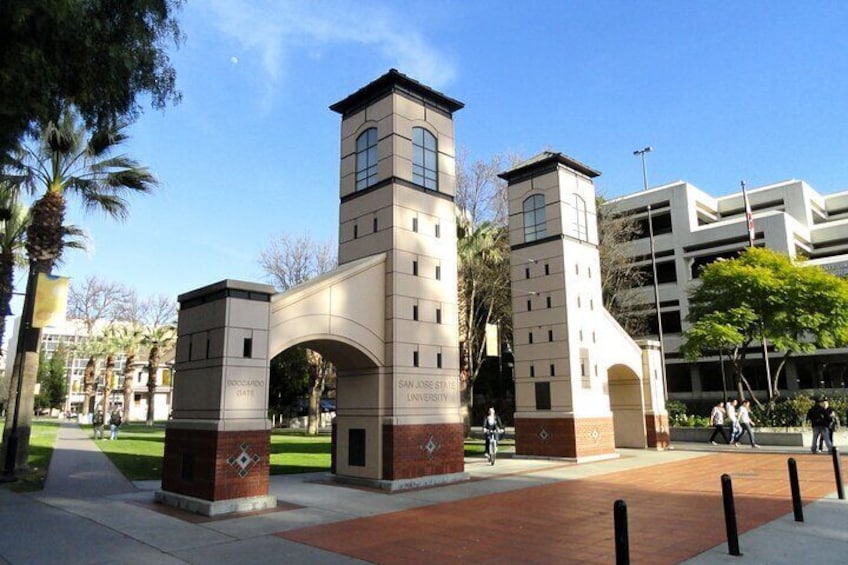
[[396, 193]]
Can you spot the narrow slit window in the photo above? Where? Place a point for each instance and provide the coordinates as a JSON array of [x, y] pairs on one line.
[[530, 337], [550, 335], [529, 305], [355, 231], [438, 360], [438, 315], [548, 301], [438, 273], [415, 224], [414, 358], [532, 371], [415, 312], [374, 222], [547, 269], [553, 369], [526, 272], [438, 230], [247, 348], [415, 268]]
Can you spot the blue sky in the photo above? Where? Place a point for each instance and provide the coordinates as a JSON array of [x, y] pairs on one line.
[[723, 91]]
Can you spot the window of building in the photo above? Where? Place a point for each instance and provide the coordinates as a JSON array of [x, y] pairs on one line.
[[547, 269], [438, 315], [366, 159], [247, 347], [548, 301], [532, 371], [424, 160], [550, 335], [438, 273], [526, 272], [415, 268], [534, 218], [438, 230], [543, 396], [374, 223], [415, 224], [529, 305], [414, 358], [581, 219], [355, 231], [553, 369], [530, 337], [415, 312], [438, 360]]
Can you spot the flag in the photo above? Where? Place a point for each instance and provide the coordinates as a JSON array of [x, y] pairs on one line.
[[491, 340], [51, 300], [749, 216]]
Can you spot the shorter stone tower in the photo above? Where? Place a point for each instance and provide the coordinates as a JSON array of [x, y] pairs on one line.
[[561, 388]]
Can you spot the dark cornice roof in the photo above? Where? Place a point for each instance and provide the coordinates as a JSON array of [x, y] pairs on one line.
[[395, 81], [546, 160]]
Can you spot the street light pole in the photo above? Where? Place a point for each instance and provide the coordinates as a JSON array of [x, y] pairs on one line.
[[657, 302], [641, 152]]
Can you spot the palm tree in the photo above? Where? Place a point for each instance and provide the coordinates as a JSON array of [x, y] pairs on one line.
[[65, 160], [484, 292], [12, 243], [127, 338], [159, 339]]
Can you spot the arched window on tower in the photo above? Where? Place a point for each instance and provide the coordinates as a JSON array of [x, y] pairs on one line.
[[425, 170], [366, 159], [534, 218], [581, 219]]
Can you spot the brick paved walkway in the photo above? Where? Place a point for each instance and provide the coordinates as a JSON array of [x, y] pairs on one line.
[[674, 512]]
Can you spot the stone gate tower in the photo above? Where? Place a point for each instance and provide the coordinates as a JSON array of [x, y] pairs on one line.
[[400, 424], [562, 407]]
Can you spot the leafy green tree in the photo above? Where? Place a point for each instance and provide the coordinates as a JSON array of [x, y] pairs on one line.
[[99, 55], [798, 308], [289, 379], [51, 376]]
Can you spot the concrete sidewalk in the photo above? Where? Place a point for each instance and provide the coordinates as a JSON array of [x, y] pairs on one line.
[[88, 513]]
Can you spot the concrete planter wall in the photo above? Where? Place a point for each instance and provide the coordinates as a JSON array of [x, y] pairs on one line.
[[765, 436]]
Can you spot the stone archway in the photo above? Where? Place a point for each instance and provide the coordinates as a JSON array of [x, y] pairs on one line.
[[627, 406]]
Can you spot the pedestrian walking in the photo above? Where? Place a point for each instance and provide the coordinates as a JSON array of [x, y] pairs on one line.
[[97, 422], [717, 422], [114, 423], [735, 429], [746, 423], [820, 417]]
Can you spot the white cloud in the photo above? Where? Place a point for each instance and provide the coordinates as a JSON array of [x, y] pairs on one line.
[[276, 30]]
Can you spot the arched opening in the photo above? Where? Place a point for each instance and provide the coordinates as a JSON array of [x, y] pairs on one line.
[[627, 405]]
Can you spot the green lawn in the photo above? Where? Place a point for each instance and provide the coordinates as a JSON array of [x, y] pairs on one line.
[[41, 442], [139, 449]]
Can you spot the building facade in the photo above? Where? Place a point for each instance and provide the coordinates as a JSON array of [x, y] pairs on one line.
[[68, 338], [692, 229]]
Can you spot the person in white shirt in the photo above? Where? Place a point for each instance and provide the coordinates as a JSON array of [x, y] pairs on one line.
[[735, 428], [746, 423], [717, 421]]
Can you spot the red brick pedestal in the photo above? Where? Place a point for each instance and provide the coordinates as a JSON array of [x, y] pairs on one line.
[[411, 452], [581, 438], [214, 472], [657, 429]]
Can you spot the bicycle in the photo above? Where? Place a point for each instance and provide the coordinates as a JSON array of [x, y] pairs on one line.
[[492, 452]]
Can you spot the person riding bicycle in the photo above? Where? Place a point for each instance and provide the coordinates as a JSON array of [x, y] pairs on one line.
[[492, 427]]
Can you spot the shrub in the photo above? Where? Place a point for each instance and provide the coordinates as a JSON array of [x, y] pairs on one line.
[[676, 413]]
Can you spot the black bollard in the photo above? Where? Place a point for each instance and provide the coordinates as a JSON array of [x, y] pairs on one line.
[[622, 542], [837, 470], [730, 516], [797, 507]]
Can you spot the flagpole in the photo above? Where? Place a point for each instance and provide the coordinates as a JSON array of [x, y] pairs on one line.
[[749, 219]]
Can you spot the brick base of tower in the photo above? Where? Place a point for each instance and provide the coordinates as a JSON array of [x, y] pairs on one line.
[[571, 438], [216, 472], [656, 427], [421, 450]]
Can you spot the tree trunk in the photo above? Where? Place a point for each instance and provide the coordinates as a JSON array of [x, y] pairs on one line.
[[24, 413], [151, 392], [128, 384], [315, 393]]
